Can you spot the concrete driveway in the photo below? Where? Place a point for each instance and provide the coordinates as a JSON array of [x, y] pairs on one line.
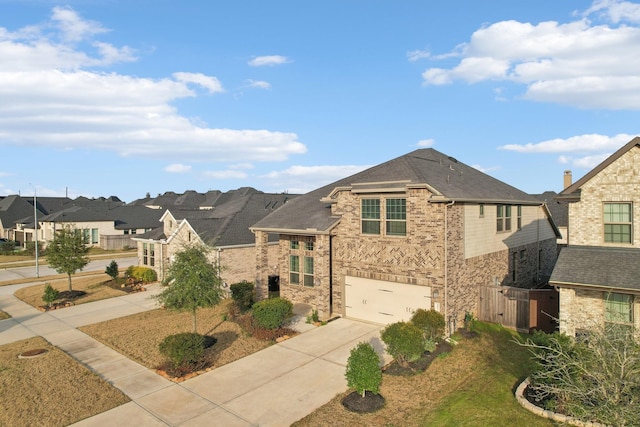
[[273, 387]]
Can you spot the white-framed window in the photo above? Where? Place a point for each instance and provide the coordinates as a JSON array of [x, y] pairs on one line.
[[308, 271], [152, 255], [145, 254], [618, 222], [519, 217], [503, 215], [294, 269], [370, 216], [481, 210]]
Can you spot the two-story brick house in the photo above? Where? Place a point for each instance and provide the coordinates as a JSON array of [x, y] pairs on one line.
[[598, 273], [420, 231]]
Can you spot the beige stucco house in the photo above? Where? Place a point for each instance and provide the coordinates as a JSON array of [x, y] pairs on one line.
[[598, 273], [420, 231]]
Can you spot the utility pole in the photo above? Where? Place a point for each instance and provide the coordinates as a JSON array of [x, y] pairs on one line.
[[35, 231]]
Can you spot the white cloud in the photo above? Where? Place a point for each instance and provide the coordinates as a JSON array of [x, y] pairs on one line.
[[72, 27], [226, 174], [49, 99], [586, 162], [258, 84], [178, 168], [426, 143], [615, 11], [577, 63], [580, 143], [416, 55], [208, 82], [302, 179], [269, 60]]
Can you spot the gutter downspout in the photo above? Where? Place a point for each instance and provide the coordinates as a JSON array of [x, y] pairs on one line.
[[446, 266]]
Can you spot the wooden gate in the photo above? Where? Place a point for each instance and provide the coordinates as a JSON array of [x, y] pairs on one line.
[[521, 309]]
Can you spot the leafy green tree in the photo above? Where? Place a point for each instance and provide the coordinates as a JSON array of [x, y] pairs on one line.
[[112, 270], [363, 369], [67, 252], [192, 282]]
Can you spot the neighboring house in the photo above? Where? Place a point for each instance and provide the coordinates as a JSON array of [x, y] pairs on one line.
[[420, 231], [218, 220], [559, 210], [104, 224], [598, 273], [13, 209]]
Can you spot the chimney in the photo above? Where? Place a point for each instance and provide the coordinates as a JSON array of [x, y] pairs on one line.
[[568, 180]]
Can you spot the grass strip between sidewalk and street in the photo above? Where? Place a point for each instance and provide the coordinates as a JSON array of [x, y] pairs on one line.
[[51, 389]]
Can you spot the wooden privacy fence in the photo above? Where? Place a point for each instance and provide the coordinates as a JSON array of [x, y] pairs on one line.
[[522, 309]]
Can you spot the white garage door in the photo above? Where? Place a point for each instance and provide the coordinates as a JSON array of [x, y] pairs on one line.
[[383, 302]]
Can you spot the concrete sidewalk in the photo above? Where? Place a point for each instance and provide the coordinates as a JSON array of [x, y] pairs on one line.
[[273, 387]]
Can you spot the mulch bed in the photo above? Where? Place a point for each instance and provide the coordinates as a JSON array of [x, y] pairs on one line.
[[420, 365], [65, 299], [371, 402]]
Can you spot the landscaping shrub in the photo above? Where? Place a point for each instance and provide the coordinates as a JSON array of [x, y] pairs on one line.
[[50, 294], [404, 342], [363, 369], [7, 247], [112, 270], [430, 322], [184, 348], [30, 248], [242, 294], [272, 313], [142, 274]]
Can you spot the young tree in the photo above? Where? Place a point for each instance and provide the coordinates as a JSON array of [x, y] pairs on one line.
[[66, 253], [192, 282], [363, 369], [112, 270]]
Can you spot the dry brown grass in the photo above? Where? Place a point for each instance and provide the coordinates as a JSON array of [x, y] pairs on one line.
[[96, 287], [51, 389], [4, 315], [138, 336]]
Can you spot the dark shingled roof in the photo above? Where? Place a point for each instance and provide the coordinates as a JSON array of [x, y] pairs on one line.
[[559, 208], [598, 267], [447, 177]]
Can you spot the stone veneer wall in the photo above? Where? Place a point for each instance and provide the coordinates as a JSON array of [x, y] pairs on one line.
[[616, 183], [239, 263], [581, 308]]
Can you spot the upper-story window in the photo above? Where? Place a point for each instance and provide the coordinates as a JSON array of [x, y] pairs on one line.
[[503, 218], [481, 214], [519, 217], [617, 222], [370, 214], [396, 217]]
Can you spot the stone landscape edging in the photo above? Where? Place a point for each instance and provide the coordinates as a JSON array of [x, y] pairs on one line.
[[544, 413]]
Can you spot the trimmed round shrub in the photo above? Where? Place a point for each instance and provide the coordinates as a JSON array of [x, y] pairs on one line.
[[430, 322], [184, 348], [242, 294], [404, 342], [363, 369], [272, 313], [142, 274]]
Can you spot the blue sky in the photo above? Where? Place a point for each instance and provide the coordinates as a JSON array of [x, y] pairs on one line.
[[124, 98]]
